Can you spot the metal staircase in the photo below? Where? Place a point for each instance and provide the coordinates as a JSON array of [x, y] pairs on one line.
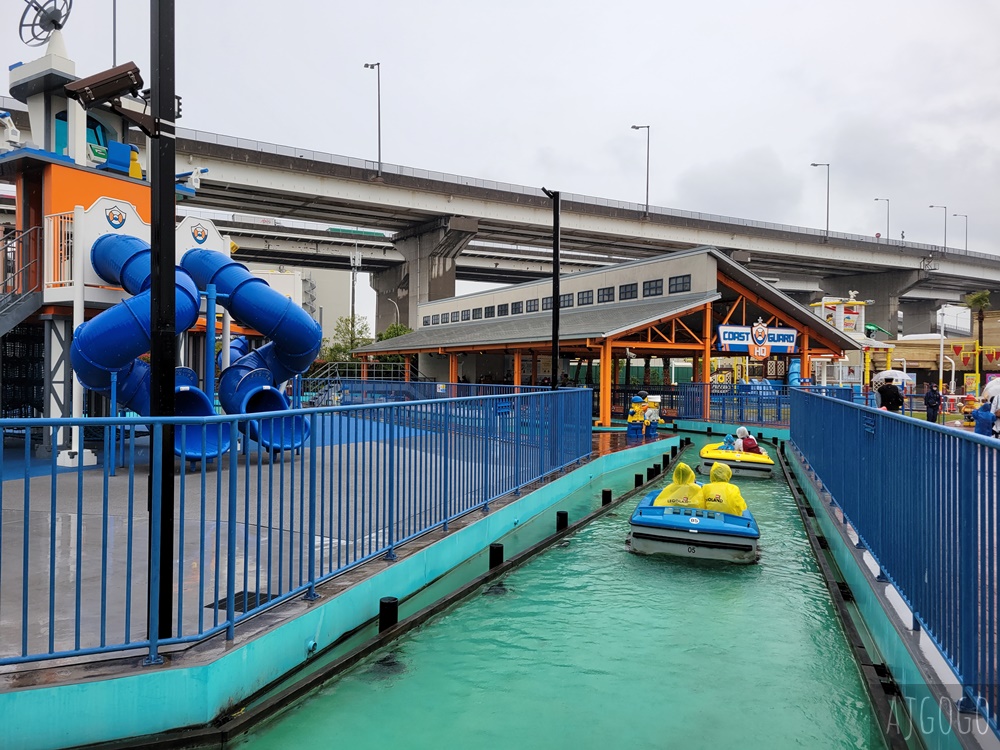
[[21, 288], [323, 386]]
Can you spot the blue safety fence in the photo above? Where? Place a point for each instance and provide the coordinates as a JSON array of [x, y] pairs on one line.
[[913, 404], [347, 391], [744, 403], [251, 527], [923, 501]]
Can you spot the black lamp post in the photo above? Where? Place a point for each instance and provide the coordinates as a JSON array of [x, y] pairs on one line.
[[163, 336]]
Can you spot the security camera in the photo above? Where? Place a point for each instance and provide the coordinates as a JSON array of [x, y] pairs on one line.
[[105, 86]]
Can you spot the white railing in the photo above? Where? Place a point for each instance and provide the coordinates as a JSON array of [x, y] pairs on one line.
[[59, 250]]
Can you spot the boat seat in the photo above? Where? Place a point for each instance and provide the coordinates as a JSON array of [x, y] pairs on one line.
[[119, 157]]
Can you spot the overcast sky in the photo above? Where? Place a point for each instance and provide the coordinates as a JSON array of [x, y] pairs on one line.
[[900, 96]]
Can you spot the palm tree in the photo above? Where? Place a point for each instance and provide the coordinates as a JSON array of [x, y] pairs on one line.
[[980, 302]]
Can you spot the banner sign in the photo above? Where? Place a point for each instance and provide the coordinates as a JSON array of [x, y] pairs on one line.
[[758, 340]]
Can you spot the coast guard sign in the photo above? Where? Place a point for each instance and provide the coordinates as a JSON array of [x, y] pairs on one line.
[[757, 340]]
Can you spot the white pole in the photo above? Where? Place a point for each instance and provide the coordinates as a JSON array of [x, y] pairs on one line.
[[941, 352], [78, 316], [227, 332], [951, 387], [226, 336]]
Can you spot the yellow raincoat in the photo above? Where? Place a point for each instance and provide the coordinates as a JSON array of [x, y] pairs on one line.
[[722, 495], [683, 491]]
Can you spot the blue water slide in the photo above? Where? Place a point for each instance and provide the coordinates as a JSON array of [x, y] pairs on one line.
[[251, 384], [239, 346], [113, 341], [795, 373]]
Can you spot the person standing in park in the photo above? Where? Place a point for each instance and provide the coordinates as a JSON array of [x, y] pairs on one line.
[[932, 402], [890, 397]]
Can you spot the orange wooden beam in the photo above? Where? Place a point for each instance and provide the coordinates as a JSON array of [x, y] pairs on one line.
[[694, 335], [604, 397], [771, 309], [706, 366]]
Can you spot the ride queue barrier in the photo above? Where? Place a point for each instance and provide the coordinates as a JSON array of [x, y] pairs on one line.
[[368, 391], [251, 528], [923, 500], [751, 403]]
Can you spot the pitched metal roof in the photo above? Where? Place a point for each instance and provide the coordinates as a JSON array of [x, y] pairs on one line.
[[592, 321], [603, 320]]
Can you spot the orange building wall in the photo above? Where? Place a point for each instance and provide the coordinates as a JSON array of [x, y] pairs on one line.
[[68, 187]]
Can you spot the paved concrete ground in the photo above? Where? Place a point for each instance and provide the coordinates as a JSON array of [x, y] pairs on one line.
[[83, 534]]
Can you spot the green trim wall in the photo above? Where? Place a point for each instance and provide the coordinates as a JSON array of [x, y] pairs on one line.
[[158, 699], [691, 425]]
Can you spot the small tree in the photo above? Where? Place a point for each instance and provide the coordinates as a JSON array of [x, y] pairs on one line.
[[346, 338], [980, 302]]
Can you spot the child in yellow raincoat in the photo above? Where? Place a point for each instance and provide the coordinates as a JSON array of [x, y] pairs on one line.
[[683, 491], [722, 495]]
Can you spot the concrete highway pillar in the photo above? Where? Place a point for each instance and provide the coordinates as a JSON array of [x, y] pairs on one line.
[[430, 251], [920, 316], [884, 289]]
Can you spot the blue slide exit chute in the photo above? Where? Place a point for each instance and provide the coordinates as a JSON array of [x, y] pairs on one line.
[[251, 384], [113, 341]]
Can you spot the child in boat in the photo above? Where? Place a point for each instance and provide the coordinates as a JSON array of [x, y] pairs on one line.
[[729, 444], [722, 495], [683, 491], [746, 442]]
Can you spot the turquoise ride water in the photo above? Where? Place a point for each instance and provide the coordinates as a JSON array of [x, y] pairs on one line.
[[593, 647]]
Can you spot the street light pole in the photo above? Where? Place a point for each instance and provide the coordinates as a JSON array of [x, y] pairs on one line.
[[355, 262], [886, 217], [827, 165], [966, 217], [646, 128], [397, 308], [944, 247], [377, 67]]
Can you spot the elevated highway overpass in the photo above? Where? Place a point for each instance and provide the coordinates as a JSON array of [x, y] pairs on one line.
[[274, 201]]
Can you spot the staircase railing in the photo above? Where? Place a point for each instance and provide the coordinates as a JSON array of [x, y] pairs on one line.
[[323, 385], [22, 269]]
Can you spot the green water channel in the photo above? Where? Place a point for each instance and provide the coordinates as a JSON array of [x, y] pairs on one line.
[[589, 646]]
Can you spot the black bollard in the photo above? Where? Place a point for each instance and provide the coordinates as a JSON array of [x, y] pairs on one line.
[[388, 612], [760, 436], [665, 458], [687, 441], [673, 452], [562, 520], [650, 473], [605, 497], [496, 555], [638, 480], [709, 429], [657, 469], [774, 440]]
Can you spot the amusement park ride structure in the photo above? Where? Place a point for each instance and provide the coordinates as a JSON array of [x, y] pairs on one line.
[[81, 265]]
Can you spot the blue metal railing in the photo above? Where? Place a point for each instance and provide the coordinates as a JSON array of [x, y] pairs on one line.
[[251, 528], [923, 501], [760, 404], [361, 391]]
